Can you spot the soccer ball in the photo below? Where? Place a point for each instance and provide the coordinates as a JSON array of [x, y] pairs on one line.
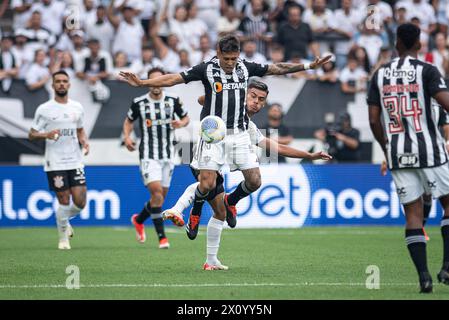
[[213, 129]]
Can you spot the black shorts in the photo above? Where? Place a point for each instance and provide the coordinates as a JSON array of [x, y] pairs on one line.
[[219, 188], [65, 179]]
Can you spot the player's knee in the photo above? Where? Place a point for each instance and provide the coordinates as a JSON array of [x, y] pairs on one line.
[[254, 183], [80, 203], [207, 182], [157, 197]]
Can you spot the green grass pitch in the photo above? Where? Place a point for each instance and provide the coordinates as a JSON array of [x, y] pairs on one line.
[[307, 263]]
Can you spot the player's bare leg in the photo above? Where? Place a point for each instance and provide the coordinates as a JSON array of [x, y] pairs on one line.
[[207, 179], [443, 275], [214, 229], [251, 183], [427, 202], [62, 218], [416, 242]]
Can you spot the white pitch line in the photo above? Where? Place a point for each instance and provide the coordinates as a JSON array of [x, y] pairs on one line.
[[200, 285]]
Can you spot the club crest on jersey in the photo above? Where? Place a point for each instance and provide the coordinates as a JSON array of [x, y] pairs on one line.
[[58, 181], [408, 160], [409, 74], [240, 73]]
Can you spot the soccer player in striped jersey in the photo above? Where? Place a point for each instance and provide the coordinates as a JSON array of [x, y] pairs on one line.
[[404, 123], [225, 78], [155, 113], [256, 99]]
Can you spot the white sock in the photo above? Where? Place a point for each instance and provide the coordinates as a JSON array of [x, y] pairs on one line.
[[186, 199], [62, 220], [214, 228], [74, 210]]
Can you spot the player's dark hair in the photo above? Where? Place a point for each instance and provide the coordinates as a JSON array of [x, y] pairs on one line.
[[60, 72], [229, 43], [258, 85], [153, 70], [409, 34]]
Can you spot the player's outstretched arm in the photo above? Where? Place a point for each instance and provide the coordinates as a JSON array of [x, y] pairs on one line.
[[290, 152], [127, 129], [36, 135], [167, 80], [285, 68]]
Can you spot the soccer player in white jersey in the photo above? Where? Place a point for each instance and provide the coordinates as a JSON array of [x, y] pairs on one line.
[[256, 99], [404, 123], [59, 122], [155, 112], [225, 79]]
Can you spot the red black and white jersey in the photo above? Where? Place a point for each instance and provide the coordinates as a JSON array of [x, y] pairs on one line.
[[404, 88]]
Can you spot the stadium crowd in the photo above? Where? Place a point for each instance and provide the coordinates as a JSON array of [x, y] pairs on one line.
[[95, 40]]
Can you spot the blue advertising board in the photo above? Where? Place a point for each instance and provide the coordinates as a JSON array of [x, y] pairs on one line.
[[291, 195]]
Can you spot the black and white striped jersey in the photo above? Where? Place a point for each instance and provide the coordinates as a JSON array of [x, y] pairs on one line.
[[155, 118], [225, 93], [404, 88]]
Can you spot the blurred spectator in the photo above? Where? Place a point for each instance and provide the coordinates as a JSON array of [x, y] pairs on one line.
[[205, 53], [256, 27], [400, 17], [328, 72], [38, 37], [149, 8], [424, 11], [347, 20], [164, 9], [9, 67], [209, 12], [136, 5], [100, 28], [3, 7], [371, 40], [440, 55], [276, 54], [275, 129], [385, 56], [360, 54], [167, 53], [341, 138], [228, 22], [52, 14], [383, 13], [321, 20], [250, 53], [129, 33], [148, 61], [184, 60], [279, 14], [440, 8], [24, 56], [64, 42], [197, 27], [296, 35], [423, 36], [64, 61], [22, 13], [38, 73], [179, 27], [79, 51], [87, 12], [121, 63], [96, 65], [353, 78]]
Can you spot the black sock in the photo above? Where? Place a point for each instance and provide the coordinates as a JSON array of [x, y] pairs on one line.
[[427, 208], [445, 235], [416, 244], [156, 216], [198, 201], [238, 194], [144, 214]]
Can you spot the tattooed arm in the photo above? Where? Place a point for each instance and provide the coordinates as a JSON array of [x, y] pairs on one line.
[[284, 68]]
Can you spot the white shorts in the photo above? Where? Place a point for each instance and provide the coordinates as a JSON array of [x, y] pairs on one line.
[[157, 170], [412, 183], [235, 150]]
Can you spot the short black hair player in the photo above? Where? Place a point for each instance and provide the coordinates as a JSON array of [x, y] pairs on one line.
[[402, 120]]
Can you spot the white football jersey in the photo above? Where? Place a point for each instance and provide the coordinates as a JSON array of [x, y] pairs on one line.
[[254, 133], [64, 153]]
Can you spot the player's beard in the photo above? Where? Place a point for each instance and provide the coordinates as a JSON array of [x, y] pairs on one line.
[[61, 93]]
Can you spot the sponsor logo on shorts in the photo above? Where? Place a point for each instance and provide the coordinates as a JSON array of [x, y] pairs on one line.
[[432, 184], [401, 192]]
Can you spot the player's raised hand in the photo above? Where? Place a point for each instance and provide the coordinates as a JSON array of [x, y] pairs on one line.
[[383, 168], [130, 144], [320, 155], [320, 61], [54, 134], [131, 78]]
